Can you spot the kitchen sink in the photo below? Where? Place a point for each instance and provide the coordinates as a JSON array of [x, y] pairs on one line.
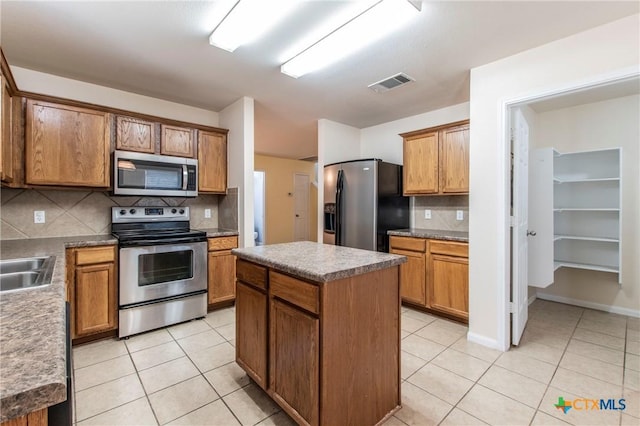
[[29, 273]]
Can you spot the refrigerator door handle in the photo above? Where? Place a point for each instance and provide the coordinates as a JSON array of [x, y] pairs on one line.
[[339, 187]]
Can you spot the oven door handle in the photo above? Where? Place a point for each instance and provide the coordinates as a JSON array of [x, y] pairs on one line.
[[157, 242], [185, 177]]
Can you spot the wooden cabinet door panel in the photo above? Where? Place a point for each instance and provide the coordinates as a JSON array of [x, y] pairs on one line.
[[95, 302], [66, 145], [177, 141], [212, 162], [6, 145], [222, 276], [420, 169], [449, 289], [413, 277], [251, 332], [135, 135], [454, 160], [294, 360]]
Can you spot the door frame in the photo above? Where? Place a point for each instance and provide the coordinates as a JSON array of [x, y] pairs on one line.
[[295, 174]]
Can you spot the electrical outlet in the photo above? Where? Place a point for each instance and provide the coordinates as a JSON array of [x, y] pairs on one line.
[[459, 215], [207, 213], [38, 216], [427, 214]]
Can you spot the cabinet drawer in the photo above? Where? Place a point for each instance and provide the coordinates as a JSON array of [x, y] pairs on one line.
[[408, 243], [300, 293], [251, 273], [449, 248], [91, 255], [223, 243]]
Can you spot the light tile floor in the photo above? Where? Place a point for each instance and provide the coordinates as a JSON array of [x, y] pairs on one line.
[[186, 374]]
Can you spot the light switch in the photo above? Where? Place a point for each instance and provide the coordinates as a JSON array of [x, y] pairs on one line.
[[427, 214], [38, 216], [459, 215], [207, 213]]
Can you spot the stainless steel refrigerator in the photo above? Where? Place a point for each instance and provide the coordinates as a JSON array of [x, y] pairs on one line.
[[362, 201]]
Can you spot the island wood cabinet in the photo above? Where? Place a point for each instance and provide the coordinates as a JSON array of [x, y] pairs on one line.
[[34, 418], [221, 270], [436, 160], [66, 146], [92, 289], [133, 134], [212, 162], [327, 353], [436, 275]]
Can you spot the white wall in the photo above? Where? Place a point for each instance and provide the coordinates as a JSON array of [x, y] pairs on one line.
[[53, 85], [239, 119], [585, 58]]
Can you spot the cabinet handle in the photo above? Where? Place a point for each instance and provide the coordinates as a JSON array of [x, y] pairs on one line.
[[532, 233]]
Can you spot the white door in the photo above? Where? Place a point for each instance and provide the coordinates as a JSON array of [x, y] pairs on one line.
[[541, 218], [301, 207], [519, 276]]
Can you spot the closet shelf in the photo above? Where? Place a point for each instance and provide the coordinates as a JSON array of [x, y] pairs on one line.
[[587, 180], [571, 209], [604, 268], [575, 237]]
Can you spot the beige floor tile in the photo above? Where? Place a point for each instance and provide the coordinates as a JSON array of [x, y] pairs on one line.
[[409, 364], [632, 379], [135, 413], [513, 385], [423, 348], [420, 407], [610, 342], [168, 374], [627, 420], [540, 352], [584, 386], [188, 328], [561, 308], [633, 347], [148, 340], [462, 364], [632, 401], [592, 367], [573, 416], [220, 317], [411, 325], [178, 400], [632, 361], [605, 317], [200, 341], [442, 383], [443, 332], [476, 350], [458, 417], [633, 323], [544, 419], [598, 352], [94, 353], [155, 355], [633, 335], [612, 329], [494, 408], [543, 337], [549, 324], [422, 316], [282, 419], [214, 357], [404, 334], [106, 396], [227, 331], [529, 367], [250, 404], [213, 414], [227, 379], [102, 372]]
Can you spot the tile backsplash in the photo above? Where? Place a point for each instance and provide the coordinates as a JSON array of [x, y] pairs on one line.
[[443, 212], [69, 213]]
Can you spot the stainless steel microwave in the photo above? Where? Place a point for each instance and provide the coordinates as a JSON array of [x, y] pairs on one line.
[[136, 173]]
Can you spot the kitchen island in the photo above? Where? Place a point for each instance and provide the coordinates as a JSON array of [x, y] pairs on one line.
[[318, 328]]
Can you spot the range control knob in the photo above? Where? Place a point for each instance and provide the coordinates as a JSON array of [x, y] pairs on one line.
[[181, 211], [132, 211], [173, 211], [123, 212]]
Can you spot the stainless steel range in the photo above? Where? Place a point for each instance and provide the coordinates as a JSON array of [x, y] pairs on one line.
[[162, 270]]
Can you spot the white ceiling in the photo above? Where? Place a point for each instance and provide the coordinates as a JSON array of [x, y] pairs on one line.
[[161, 49]]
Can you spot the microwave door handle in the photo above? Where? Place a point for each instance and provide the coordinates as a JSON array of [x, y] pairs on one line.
[[185, 177]]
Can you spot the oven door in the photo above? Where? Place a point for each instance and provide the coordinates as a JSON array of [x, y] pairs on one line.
[[149, 273]]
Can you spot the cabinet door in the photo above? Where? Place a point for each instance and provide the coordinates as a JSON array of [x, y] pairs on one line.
[[135, 135], [251, 332], [95, 299], [212, 162], [294, 360], [449, 285], [222, 276], [454, 160], [420, 169], [176, 141], [413, 277], [66, 146], [6, 146]]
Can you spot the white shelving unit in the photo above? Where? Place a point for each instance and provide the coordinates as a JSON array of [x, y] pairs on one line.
[[585, 223]]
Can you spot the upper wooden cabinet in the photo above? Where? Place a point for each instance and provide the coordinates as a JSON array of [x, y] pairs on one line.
[[436, 160], [177, 141], [66, 146], [212, 162], [7, 142], [135, 135]]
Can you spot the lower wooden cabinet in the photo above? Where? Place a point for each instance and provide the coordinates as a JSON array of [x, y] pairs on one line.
[[34, 418], [221, 266], [92, 290]]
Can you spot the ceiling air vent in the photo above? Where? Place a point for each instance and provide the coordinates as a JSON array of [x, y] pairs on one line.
[[390, 83]]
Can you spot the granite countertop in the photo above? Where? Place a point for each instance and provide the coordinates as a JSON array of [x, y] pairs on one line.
[[318, 262], [435, 234], [32, 330], [219, 232]]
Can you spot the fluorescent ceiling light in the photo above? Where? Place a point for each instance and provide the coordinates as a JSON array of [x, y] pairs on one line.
[[247, 20], [376, 22]]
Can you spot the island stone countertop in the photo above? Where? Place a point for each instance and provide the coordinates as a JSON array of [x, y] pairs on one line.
[[32, 330], [434, 234], [318, 262]]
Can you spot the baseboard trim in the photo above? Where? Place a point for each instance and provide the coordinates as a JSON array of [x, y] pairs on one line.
[[484, 341], [590, 305], [531, 300]]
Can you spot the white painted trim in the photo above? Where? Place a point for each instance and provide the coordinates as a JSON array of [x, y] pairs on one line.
[[531, 300], [590, 305], [485, 341]]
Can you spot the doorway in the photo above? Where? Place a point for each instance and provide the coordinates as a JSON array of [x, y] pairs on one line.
[[259, 207], [301, 207]]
